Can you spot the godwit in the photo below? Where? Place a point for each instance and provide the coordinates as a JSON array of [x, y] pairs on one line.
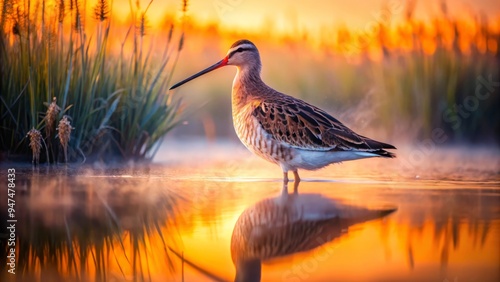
[[285, 130], [291, 223]]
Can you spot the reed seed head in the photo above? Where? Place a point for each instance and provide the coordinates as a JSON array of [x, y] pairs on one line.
[[16, 29], [170, 32], [181, 42], [18, 18], [61, 11], [78, 17], [64, 129], [185, 4], [101, 10], [143, 24], [50, 117], [35, 143]]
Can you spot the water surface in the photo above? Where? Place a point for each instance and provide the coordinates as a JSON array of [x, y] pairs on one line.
[[173, 220]]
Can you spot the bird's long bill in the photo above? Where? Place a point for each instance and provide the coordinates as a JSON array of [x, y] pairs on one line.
[[217, 65]]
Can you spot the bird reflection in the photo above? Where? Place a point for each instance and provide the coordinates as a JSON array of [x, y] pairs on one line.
[[290, 223]]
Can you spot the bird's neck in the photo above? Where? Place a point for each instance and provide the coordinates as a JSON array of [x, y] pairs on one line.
[[247, 85]]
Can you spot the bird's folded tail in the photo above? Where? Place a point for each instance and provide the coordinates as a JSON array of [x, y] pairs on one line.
[[375, 153], [378, 148], [384, 153]]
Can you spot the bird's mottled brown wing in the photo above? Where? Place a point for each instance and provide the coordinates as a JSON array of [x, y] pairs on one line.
[[307, 127]]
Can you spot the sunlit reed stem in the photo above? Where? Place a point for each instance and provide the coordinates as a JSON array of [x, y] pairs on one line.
[[43, 21], [5, 6], [101, 14], [78, 17], [61, 11]]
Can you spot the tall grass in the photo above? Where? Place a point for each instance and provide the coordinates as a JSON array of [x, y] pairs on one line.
[[424, 76], [118, 104], [439, 84]]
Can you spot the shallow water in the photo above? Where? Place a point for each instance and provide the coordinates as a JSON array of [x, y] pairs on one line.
[[173, 220]]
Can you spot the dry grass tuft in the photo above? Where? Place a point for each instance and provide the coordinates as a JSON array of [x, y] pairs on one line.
[[35, 144], [64, 130], [101, 10], [50, 117]]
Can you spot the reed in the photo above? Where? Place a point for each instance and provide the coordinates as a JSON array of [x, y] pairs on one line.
[[64, 128], [35, 138], [119, 103]]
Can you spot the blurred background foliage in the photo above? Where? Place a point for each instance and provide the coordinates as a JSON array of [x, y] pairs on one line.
[[399, 78], [404, 80]]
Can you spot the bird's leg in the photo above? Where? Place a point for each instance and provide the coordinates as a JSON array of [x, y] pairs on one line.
[[296, 181], [284, 191], [285, 178], [296, 176]]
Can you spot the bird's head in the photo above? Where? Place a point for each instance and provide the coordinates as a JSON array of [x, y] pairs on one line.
[[242, 54]]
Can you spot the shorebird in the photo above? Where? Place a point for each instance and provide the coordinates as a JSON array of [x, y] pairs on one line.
[[288, 224], [285, 130]]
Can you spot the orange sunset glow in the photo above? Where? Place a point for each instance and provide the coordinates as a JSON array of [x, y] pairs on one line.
[[299, 17], [346, 27], [249, 140], [414, 244]]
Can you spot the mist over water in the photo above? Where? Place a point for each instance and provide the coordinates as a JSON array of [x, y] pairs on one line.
[[206, 209], [97, 222]]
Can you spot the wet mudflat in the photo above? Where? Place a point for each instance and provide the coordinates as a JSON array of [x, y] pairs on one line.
[[173, 220]]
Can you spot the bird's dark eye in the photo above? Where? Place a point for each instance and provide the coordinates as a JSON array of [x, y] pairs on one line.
[[240, 49]]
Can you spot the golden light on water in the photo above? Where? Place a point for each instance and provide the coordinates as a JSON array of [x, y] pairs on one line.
[[450, 233], [396, 245], [176, 219]]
